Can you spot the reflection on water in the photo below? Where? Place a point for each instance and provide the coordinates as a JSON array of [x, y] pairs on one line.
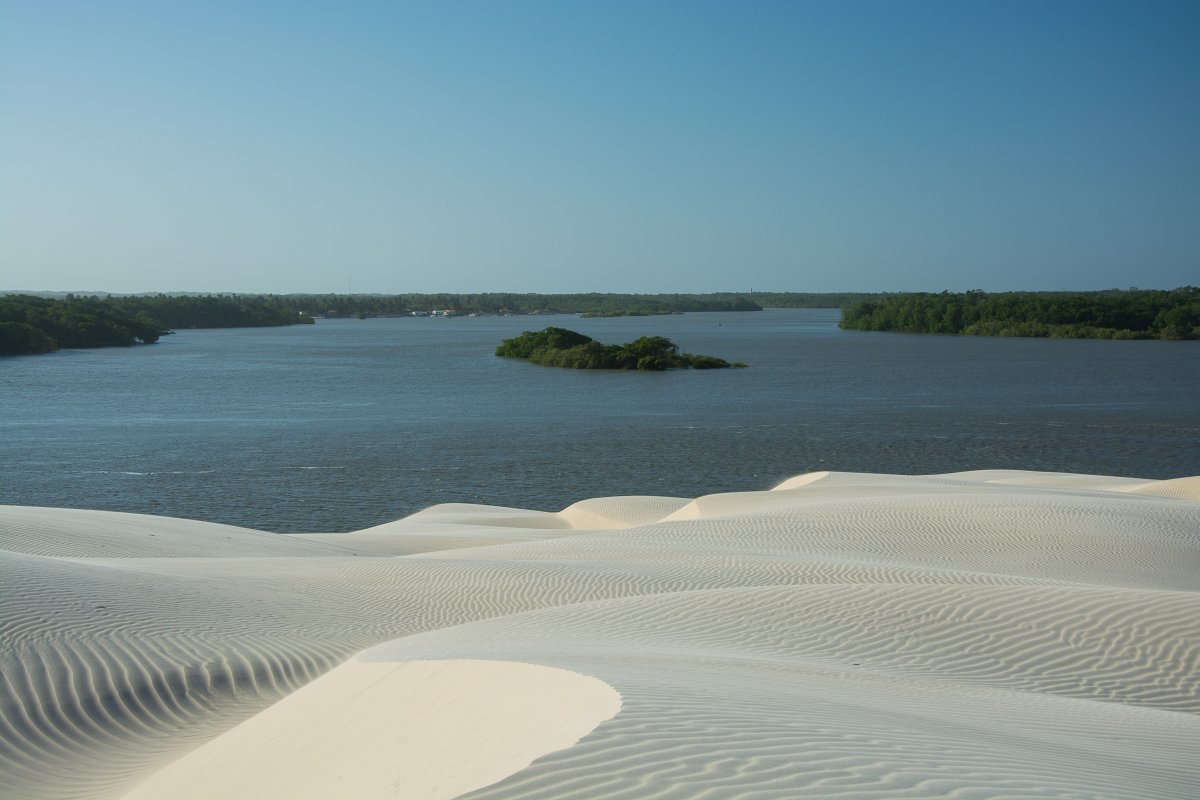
[[350, 423]]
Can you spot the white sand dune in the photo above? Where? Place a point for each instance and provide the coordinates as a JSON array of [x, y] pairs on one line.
[[990, 634]]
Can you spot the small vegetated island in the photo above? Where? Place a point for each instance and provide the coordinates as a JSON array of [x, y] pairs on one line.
[[559, 347], [1113, 314]]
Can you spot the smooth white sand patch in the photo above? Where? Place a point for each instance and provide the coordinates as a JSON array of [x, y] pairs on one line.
[[418, 729]]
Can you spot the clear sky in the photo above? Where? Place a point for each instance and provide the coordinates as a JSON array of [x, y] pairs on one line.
[[567, 146]]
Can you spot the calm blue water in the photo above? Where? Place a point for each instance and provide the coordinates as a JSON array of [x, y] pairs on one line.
[[350, 423]]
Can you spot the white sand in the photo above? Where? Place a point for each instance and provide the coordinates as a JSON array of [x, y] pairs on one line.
[[415, 729], [989, 634]]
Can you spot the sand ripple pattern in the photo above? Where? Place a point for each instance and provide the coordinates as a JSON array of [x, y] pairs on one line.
[[993, 634]]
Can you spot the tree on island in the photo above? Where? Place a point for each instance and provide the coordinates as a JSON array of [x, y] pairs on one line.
[[559, 347]]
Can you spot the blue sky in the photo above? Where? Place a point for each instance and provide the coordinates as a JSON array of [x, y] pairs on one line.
[[599, 146]]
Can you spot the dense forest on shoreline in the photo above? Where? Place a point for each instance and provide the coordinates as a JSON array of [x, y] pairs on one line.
[[30, 325], [1115, 314], [38, 325], [559, 347]]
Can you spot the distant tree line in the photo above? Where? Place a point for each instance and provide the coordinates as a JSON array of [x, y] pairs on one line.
[[559, 347], [31, 324], [593, 304], [810, 299], [191, 310], [393, 305], [1113, 314]]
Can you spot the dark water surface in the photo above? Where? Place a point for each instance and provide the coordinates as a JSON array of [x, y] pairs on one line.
[[350, 423]]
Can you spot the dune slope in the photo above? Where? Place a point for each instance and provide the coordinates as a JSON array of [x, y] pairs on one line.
[[986, 634]]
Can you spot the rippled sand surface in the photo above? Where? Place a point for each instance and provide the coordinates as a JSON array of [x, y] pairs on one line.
[[992, 634]]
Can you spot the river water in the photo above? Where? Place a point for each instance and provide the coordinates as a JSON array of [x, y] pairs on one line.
[[350, 423]]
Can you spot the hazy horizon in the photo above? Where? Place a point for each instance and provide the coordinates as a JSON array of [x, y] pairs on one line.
[[613, 147]]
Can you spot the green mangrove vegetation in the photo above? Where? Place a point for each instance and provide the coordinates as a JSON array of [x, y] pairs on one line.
[[31, 324], [559, 347], [37, 325], [1114, 314]]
